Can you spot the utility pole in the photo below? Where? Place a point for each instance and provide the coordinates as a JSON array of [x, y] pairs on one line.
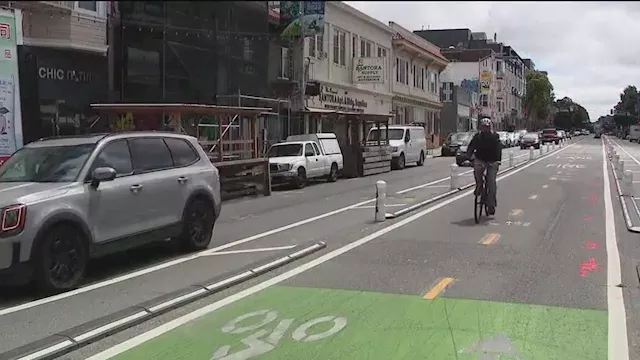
[[298, 59]]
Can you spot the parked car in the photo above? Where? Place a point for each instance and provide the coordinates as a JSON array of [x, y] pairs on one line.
[[67, 200], [408, 144], [303, 157], [462, 156], [454, 141], [521, 133], [530, 139], [513, 139], [504, 138], [634, 133], [550, 135]]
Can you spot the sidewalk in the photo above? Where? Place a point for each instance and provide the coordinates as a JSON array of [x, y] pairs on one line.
[[431, 153]]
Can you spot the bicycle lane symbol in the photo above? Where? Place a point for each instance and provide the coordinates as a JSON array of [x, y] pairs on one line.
[[262, 341]]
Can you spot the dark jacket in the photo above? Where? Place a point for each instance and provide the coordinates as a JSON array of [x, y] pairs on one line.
[[487, 146]]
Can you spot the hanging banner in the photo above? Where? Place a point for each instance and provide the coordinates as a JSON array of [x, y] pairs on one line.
[[485, 81], [302, 18], [289, 11], [313, 19], [10, 119]]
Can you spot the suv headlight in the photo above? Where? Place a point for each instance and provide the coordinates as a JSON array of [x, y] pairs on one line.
[[13, 218]]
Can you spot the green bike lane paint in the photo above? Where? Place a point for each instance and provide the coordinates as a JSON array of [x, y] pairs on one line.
[[288, 323]]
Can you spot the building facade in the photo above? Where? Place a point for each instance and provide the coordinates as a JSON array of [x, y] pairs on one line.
[[63, 65], [415, 82], [457, 113], [191, 51], [472, 69], [351, 62]]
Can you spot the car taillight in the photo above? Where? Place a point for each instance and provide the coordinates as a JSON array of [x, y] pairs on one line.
[[13, 217]]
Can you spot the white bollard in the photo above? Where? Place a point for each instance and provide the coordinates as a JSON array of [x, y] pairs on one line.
[[553, 146], [511, 159], [547, 147], [616, 162], [454, 177], [621, 167], [541, 147], [627, 184], [531, 155], [381, 195]]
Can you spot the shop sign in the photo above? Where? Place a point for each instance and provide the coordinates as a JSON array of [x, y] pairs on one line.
[[338, 100], [369, 70], [57, 74], [10, 119]]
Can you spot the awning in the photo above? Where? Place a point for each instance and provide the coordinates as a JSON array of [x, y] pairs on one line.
[[319, 110]]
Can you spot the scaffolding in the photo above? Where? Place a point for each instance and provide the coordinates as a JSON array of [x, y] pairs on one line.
[[272, 127]]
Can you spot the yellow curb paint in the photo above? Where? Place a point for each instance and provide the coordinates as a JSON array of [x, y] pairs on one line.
[[438, 288]]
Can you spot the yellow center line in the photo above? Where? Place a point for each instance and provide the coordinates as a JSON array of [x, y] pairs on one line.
[[489, 239], [438, 288], [516, 212]]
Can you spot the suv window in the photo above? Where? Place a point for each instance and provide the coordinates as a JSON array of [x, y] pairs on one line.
[[150, 154], [181, 152], [115, 155]]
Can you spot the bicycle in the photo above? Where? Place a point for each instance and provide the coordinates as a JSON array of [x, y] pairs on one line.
[[480, 201]]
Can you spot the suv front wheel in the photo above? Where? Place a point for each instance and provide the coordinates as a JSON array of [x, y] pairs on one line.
[[197, 228], [61, 258]]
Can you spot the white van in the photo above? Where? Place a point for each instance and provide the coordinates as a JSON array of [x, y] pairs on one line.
[[408, 143], [634, 133]]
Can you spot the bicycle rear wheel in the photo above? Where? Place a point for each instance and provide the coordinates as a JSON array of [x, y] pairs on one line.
[[477, 208]]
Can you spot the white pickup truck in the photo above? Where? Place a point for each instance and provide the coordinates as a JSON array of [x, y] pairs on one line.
[[303, 157]]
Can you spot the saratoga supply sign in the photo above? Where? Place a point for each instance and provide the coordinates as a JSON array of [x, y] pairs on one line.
[[368, 70]]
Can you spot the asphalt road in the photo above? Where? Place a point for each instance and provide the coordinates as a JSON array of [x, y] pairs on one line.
[[440, 244]]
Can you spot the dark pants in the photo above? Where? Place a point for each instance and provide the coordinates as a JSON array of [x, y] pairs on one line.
[[479, 167]]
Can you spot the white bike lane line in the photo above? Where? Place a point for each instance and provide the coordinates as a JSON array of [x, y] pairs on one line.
[[208, 252], [617, 335], [151, 334]]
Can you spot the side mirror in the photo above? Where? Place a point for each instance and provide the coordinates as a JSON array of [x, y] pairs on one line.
[[102, 174], [406, 139]]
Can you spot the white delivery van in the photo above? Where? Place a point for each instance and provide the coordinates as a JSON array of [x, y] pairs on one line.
[[408, 143], [303, 157], [634, 133]]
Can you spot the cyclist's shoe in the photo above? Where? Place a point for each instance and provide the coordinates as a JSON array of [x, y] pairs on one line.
[[477, 192], [491, 210]]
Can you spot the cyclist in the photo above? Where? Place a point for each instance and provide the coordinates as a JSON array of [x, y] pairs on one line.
[[488, 155]]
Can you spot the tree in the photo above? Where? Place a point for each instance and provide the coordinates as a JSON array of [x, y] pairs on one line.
[[570, 115], [627, 109], [538, 98]]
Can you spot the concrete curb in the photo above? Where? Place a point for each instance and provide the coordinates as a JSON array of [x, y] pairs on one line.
[[625, 209], [464, 187], [72, 339]]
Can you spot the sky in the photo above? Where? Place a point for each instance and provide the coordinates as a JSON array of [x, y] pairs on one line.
[[589, 49]]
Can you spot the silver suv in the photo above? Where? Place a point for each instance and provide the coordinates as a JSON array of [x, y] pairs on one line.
[[66, 200]]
